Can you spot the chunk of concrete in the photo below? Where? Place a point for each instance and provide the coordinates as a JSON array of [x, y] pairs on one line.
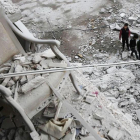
[[103, 87], [18, 68], [37, 81], [89, 99], [133, 18], [111, 70], [23, 80], [48, 54], [97, 116], [122, 15], [124, 55], [115, 134], [44, 64], [36, 59]]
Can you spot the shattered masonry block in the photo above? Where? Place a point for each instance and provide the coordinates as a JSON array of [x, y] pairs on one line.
[[48, 54], [32, 84]]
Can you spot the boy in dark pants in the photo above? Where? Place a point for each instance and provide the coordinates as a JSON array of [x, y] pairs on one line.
[[133, 45], [125, 34], [138, 48]]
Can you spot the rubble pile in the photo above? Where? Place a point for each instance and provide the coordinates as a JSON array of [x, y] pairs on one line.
[[109, 99]]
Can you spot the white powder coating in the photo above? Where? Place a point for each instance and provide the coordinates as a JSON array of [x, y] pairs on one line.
[[32, 84]]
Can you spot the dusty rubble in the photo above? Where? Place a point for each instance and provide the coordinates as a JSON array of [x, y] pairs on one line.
[[110, 96]]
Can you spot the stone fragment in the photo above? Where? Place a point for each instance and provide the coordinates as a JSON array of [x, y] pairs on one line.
[[133, 18], [18, 68], [36, 59], [115, 134], [76, 57], [44, 64], [37, 81], [89, 99], [124, 55], [87, 70], [22, 59], [48, 54], [122, 15], [10, 83], [4, 83], [102, 11], [103, 87], [111, 70], [97, 116], [23, 80]]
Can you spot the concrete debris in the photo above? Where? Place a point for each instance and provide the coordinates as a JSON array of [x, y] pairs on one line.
[[48, 54], [114, 113], [122, 15], [133, 18], [37, 81], [36, 59], [115, 134], [96, 116], [89, 99]]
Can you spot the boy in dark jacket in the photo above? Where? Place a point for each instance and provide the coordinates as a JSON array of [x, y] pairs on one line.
[[125, 34], [133, 45], [138, 48]]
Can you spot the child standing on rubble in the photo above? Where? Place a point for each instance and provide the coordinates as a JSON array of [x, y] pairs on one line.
[[133, 45], [138, 48], [125, 34]]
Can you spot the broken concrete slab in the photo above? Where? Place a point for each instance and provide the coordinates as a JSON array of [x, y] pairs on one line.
[[34, 83], [36, 59], [89, 99], [44, 63], [48, 54], [115, 134], [111, 70]]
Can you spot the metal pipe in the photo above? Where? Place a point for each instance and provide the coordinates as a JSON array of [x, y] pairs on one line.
[[65, 69]]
